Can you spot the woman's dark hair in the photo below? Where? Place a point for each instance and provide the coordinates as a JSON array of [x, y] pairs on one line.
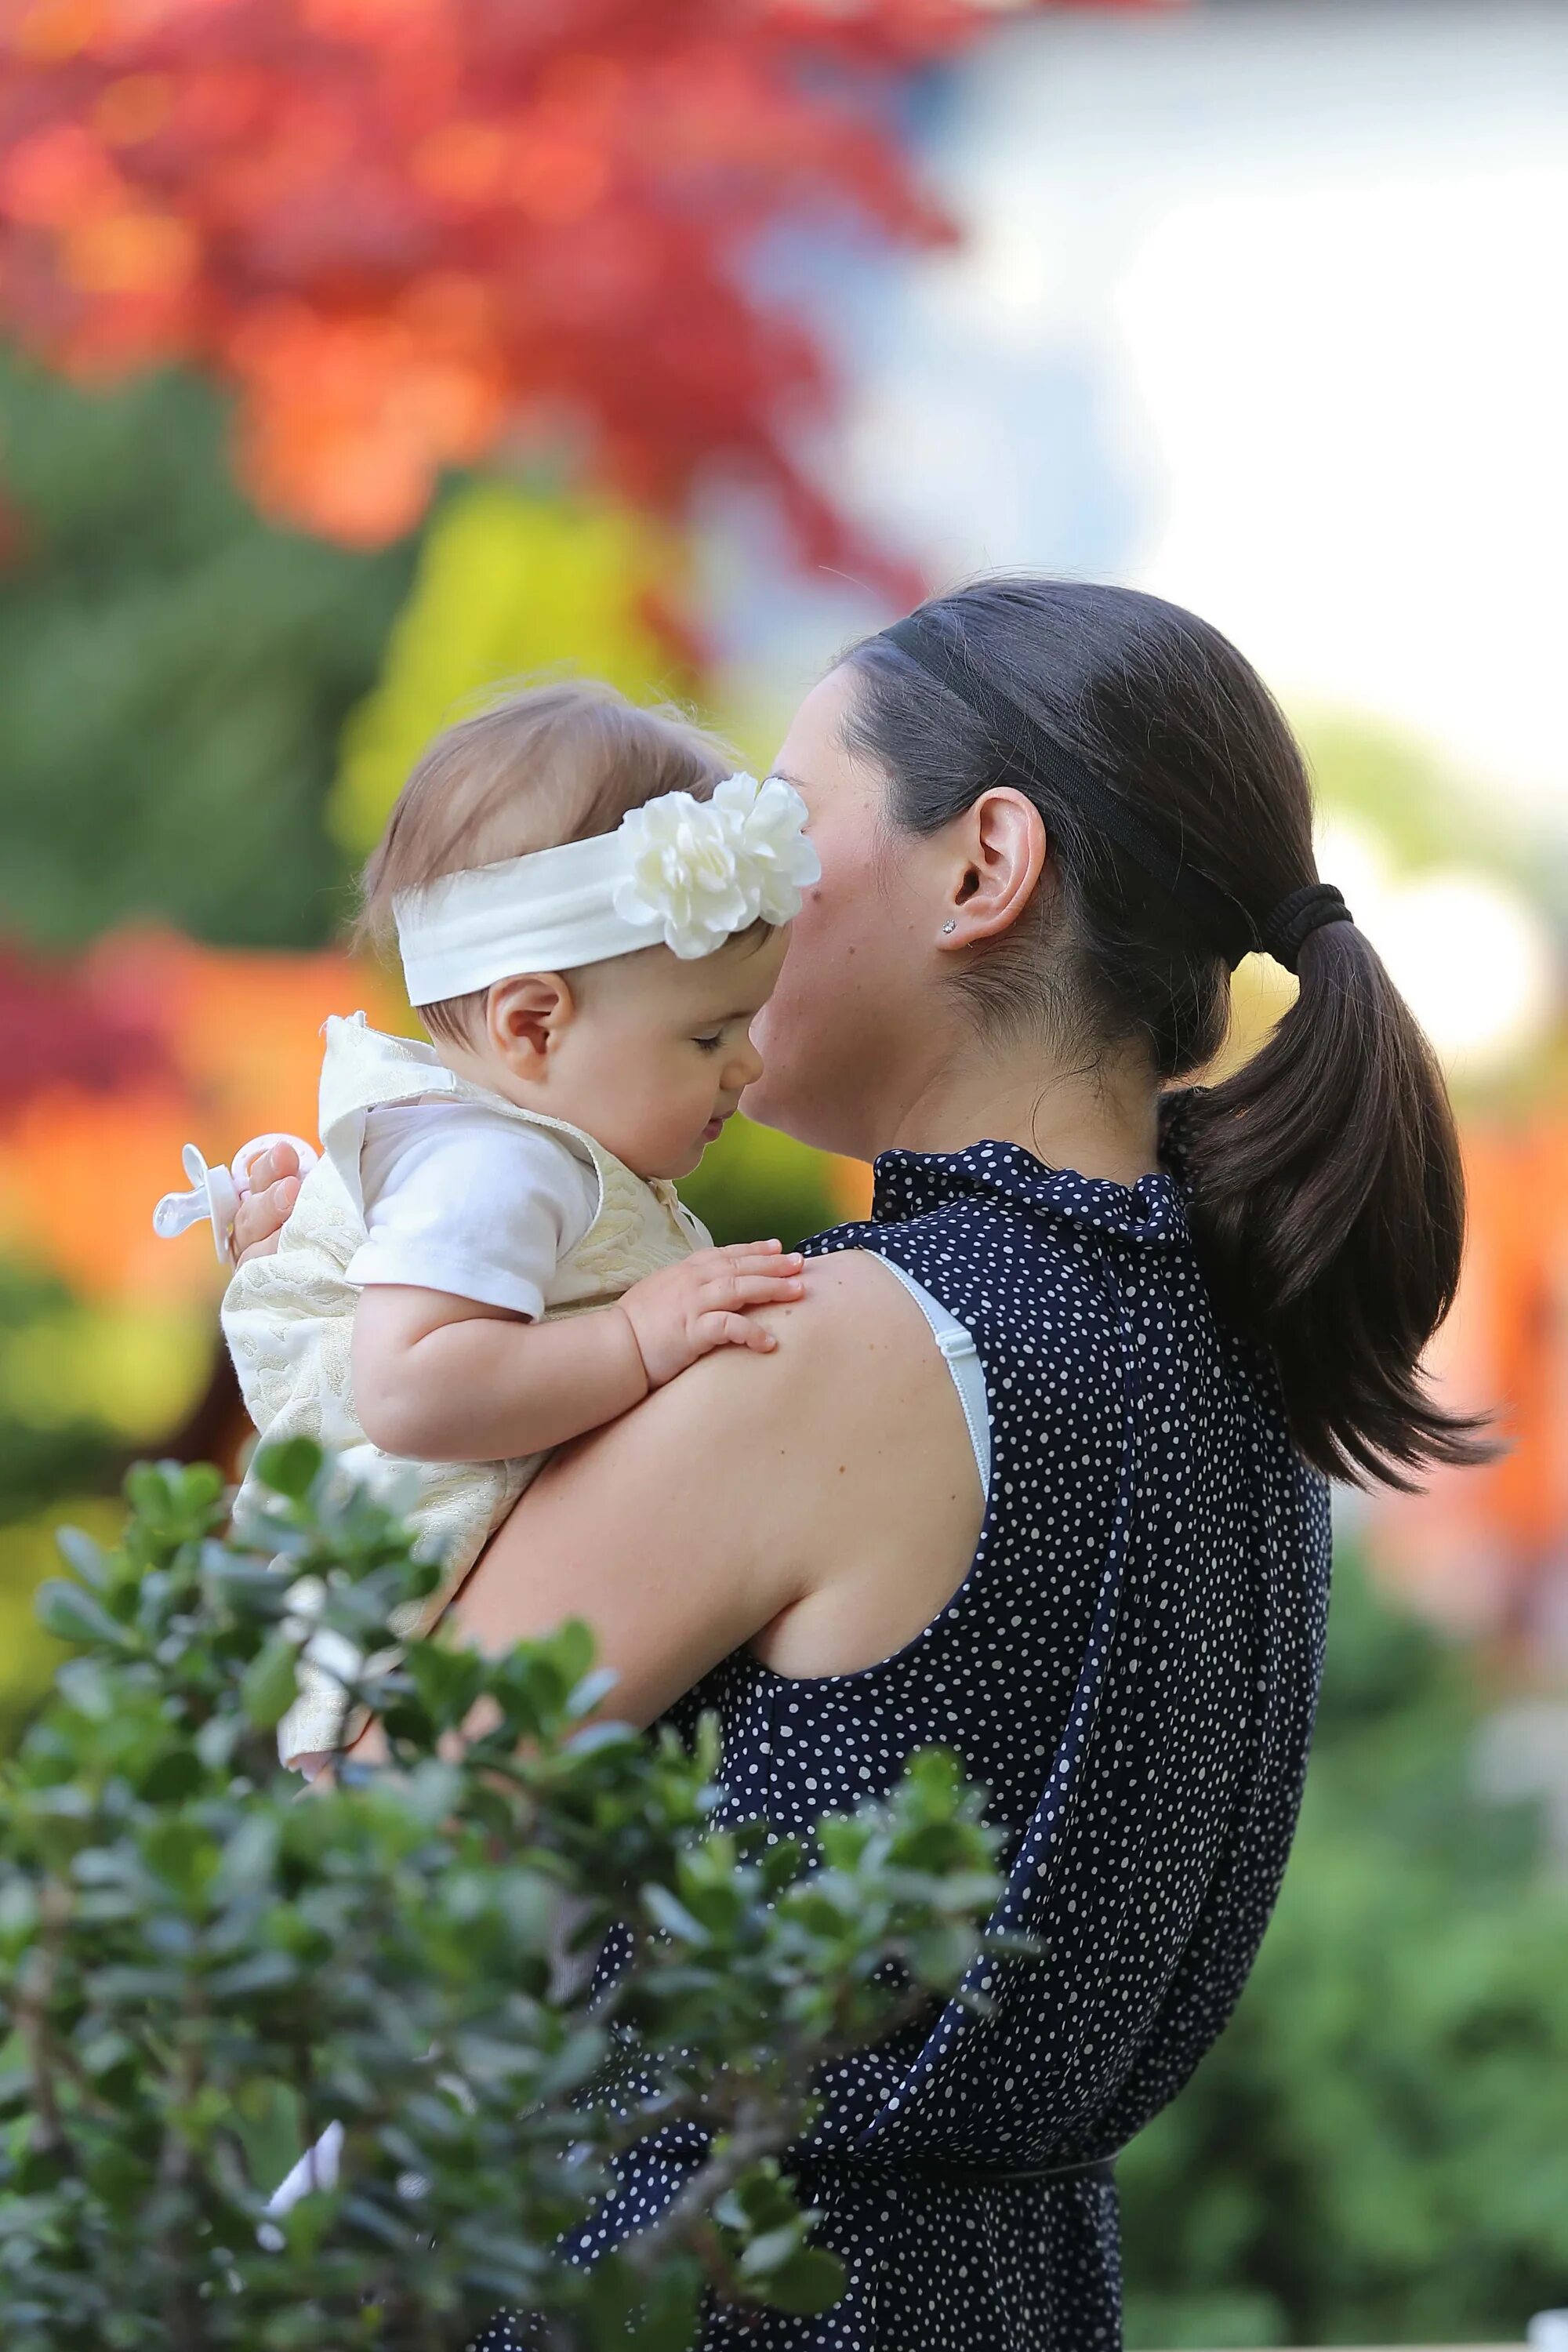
[[1324, 1177]]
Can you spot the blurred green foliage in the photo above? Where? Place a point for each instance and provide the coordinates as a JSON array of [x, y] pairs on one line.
[[1425, 812], [755, 1185], [174, 675], [199, 1973], [1377, 2151], [1421, 811]]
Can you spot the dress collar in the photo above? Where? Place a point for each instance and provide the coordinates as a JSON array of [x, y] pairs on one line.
[[910, 1183]]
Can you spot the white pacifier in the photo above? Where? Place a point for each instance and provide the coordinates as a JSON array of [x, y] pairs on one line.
[[216, 1194]]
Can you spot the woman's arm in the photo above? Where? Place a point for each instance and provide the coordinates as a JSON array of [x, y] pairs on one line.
[[820, 1502]]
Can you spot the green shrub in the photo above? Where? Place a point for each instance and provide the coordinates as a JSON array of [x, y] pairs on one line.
[[1376, 2150], [200, 1968]]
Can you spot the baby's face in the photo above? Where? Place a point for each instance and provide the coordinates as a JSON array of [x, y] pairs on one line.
[[657, 1052]]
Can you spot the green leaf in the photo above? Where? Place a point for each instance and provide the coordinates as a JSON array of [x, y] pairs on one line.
[[203, 1486], [571, 1649], [812, 2280], [269, 2125], [289, 1467], [175, 1775], [259, 1972], [87, 1558], [148, 1491], [672, 2327], [72, 1614], [773, 2248], [18, 1912], [183, 1852], [271, 1681], [590, 1691], [670, 1913]]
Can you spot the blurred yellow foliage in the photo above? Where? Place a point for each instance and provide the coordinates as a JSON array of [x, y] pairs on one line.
[[1260, 991], [28, 1553], [137, 1368], [510, 584]]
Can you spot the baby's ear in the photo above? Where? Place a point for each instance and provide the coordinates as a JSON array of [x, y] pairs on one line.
[[525, 1016]]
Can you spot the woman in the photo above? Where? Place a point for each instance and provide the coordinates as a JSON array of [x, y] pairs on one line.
[[1083, 1539]]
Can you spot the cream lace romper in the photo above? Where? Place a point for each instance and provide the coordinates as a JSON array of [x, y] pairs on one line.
[[289, 1321]]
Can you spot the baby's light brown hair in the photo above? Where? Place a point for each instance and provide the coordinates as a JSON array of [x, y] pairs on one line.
[[536, 767]]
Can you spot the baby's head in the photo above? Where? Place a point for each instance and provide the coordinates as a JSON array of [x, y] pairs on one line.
[[646, 1049]]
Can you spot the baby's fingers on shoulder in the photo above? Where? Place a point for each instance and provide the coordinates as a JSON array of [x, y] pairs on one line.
[[727, 1255], [723, 1330], [764, 1258], [697, 1266], [738, 1288]]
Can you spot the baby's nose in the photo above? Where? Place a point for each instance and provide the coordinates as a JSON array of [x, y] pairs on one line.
[[745, 1065]]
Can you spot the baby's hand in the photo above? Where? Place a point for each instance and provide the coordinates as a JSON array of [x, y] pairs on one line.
[[687, 1310]]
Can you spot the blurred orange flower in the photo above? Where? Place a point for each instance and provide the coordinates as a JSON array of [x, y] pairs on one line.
[[214, 1047], [1481, 1550]]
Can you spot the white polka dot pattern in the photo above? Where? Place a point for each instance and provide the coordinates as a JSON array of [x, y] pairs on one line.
[[1130, 1666]]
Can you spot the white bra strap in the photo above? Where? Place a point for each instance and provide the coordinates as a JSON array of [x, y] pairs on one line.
[[963, 1359]]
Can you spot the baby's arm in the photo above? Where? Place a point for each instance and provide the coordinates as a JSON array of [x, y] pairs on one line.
[[441, 1379]]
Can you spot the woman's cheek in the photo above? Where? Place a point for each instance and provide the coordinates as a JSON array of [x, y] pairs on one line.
[[811, 976], [810, 1038], [791, 1035]]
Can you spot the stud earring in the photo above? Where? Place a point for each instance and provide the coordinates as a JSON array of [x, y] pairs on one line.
[[951, 926]]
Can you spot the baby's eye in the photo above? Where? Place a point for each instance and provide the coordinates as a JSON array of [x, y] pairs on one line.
[[709, 1044]]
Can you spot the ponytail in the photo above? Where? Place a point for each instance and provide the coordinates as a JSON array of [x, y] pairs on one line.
[[1325, 1189], [1328, 1205]]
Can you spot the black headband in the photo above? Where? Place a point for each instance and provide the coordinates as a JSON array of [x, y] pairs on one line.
[[1220, 920]]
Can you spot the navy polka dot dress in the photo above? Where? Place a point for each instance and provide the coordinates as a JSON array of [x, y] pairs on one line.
[[1130, 1666]]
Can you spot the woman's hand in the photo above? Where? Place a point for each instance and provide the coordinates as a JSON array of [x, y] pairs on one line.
[[275, 1188]]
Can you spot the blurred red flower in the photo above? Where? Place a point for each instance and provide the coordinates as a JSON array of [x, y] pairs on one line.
[[412, 232]]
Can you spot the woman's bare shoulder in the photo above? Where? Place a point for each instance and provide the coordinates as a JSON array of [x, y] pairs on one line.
[[817, 1501], [848, 1349], [848, 1497]]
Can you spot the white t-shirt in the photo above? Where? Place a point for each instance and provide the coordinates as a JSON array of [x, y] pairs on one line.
[[462, 1198]]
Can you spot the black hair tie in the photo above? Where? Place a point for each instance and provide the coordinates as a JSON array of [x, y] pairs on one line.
[[1296, 918]]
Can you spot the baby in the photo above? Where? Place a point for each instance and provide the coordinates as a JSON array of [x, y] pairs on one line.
[[490, 1257]]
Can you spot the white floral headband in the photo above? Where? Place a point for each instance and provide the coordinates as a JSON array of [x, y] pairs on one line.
[[678, 872]]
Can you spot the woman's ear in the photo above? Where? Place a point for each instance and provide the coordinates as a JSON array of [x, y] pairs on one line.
[[1002, 843], [526, 1018]]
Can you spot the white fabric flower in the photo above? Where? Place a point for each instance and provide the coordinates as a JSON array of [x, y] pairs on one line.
[[682, 874], [704, 870], [776, 861]]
